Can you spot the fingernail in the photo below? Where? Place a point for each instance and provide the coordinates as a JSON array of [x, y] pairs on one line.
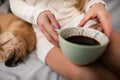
[[58, 26], [57, 41], [110, 35]]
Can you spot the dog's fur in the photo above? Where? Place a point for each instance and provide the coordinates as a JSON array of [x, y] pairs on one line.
[[17, 39]]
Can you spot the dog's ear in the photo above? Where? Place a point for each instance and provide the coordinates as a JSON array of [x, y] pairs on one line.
[[28, 34], [25, 31]]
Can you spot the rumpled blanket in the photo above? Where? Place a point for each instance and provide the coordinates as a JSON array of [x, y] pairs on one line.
[[31, 69]]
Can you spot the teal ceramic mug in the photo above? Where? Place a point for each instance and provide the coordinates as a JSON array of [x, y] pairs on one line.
[[82, 54]]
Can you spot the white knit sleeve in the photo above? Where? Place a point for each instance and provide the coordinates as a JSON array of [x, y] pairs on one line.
[[43, 46], [37, 12], [30, 14], [91, 2], [27, 12]]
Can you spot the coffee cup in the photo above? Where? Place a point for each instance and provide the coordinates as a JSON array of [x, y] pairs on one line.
[[81, 45]]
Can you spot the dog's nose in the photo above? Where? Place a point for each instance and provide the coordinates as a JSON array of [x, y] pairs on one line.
[[11, 61]]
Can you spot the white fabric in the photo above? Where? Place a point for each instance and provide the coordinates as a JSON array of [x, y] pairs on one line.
[[31, 69], [64, 11]]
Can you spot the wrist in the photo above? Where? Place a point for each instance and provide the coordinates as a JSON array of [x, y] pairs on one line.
[[37, 12], [40, 16], [94, 2], [98, 4]]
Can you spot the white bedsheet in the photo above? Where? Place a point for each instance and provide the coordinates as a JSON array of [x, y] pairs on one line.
[[31, 69]]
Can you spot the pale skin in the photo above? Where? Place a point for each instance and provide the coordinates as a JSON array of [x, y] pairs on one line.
[[95, 71], [99, 12]]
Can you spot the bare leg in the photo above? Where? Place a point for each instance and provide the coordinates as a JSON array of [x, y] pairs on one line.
[[58, 62], [111, 56]]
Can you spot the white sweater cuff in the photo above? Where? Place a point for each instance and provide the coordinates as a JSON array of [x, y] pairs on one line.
[[43, 50], [37, 12], [91, 2]]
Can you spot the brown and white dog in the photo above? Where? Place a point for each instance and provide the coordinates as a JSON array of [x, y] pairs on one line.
[[17, 39]]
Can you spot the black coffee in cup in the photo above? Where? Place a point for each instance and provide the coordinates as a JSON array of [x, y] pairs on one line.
[[84, 40]]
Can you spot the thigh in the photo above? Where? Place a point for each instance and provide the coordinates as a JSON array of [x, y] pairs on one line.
[[111, 56], [60, 64]]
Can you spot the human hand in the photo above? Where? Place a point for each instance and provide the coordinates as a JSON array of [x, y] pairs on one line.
[[47, 24], [98, 27], [99, 12]]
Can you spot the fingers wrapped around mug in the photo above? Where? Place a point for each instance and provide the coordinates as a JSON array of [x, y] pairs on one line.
[[97, 27]]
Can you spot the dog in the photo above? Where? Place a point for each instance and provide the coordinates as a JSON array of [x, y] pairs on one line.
[[17, 39]]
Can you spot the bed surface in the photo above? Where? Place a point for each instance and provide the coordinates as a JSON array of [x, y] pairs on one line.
[[31, 69]]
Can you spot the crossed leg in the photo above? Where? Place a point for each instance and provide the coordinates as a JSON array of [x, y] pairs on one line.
[[111, 57], [108, 68]]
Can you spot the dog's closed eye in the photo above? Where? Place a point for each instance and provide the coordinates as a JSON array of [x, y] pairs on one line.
[[12, 61]]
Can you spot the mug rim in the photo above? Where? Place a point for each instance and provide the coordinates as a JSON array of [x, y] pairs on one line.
[[80, 45]]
